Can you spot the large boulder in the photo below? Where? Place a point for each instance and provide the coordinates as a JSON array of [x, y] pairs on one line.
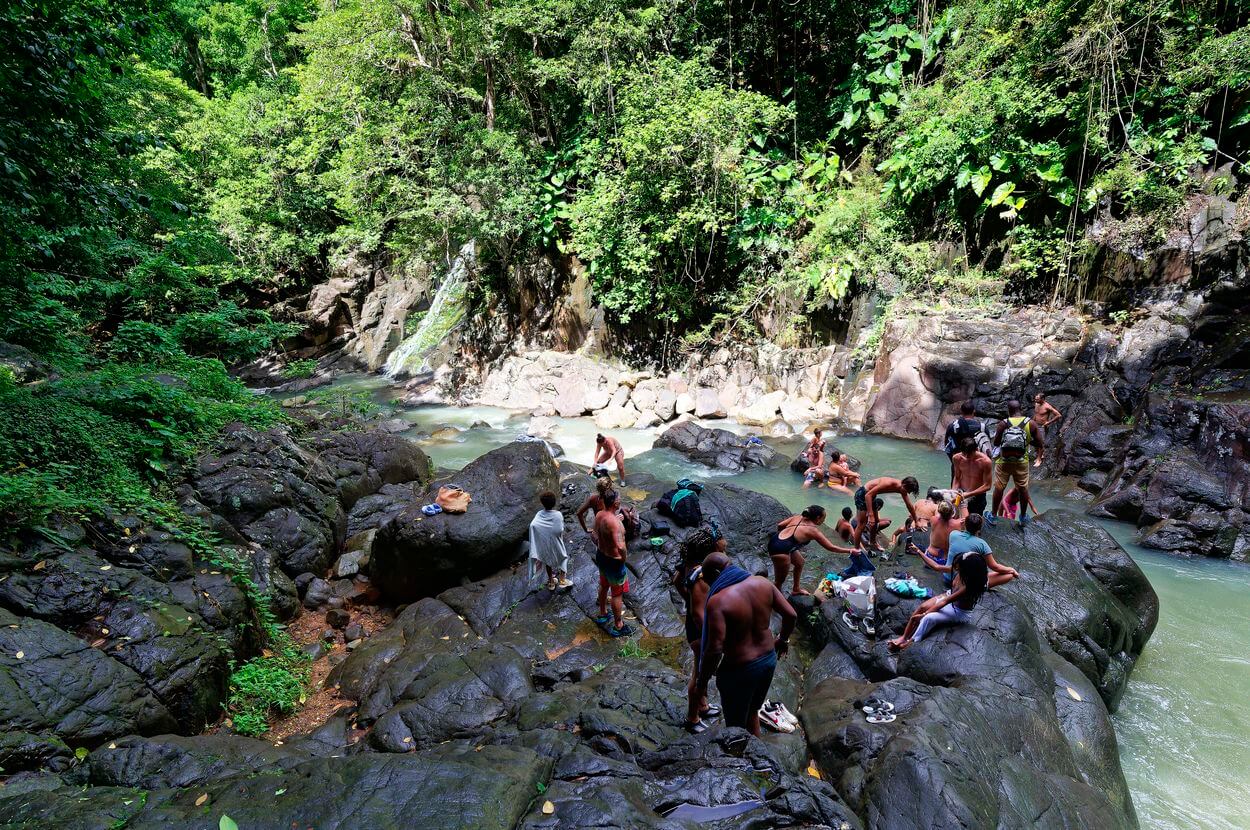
[[1023, 690], [716, 448], [363, 461], [416, 555], [276, 493]]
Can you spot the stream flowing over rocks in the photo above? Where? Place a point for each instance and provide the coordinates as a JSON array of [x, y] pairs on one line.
[[490, 702]]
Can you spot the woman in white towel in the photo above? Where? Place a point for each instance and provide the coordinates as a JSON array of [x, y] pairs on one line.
[[547, 544]]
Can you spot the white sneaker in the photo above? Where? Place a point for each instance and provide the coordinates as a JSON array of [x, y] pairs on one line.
[[777, 718]]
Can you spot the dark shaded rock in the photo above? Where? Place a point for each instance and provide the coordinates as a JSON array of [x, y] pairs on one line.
[[417, 555], [21, 751], [354, 631], [171, 761], [361, 462], [62, 685], [337, 618], [25, 365], [302, 582], [275, 493], [373, 511], [317, 594], [716, 448], [273, 582]]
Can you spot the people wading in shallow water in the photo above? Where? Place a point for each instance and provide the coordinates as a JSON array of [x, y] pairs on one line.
[[609, 536], [865, 502], [786, 544], [687, 579], [840, 476], [608, 449], [953, 607], [737, 642]]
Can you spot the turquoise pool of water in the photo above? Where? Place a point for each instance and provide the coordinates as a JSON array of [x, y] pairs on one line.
[[1183, 722]]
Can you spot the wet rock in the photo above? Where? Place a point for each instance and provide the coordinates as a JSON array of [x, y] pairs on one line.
[[63, 686], [361, 462], [21, 751], [800, 464], [716, 448], [275, 493], [415, 554], [271, 581]]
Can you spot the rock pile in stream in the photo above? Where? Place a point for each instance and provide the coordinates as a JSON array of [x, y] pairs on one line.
[[491, 702]]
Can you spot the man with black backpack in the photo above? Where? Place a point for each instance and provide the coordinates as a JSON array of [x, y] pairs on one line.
[[965, 427], [1014, 440]]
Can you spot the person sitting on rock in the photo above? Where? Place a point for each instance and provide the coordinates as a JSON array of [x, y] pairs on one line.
[[846, 525], [1014, 439], [1044, 414], [937, 554], [609, 537], [738, 645], [905, 531], [547, 543], [866, 519], [696, 547], [814, 452], [608, 449], [968, 541], [840, 476], [813, 475], [786, 544], [973, 475], [953, 607]]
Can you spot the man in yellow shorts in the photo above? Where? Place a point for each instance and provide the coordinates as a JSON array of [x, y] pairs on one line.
[[1014, 440]]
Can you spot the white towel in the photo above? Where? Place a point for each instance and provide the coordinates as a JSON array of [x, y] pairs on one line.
[[547, 541]]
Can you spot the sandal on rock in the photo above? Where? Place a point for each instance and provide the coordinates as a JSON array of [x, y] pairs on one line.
[[623, 631], [604, 620], [881, 717]]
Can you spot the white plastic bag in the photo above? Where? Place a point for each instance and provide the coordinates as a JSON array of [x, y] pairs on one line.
[[860, 594]]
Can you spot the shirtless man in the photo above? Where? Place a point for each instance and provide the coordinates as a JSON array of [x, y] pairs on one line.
[[608, 449], [738, 644], [594, 502], [939, 537], [840, 475], [609, 536], [865, 496], [973, 476], [1044, 414]]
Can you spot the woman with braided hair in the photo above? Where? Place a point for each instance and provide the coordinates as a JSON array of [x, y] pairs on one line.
[[694, 549]]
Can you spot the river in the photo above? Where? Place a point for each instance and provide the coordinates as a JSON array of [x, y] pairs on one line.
[[1182, 723]]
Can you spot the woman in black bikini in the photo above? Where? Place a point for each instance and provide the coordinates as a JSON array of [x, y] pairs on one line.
[[792, 535], [694, 549]]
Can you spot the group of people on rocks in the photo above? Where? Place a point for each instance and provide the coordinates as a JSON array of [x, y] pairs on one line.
[[729, 612]]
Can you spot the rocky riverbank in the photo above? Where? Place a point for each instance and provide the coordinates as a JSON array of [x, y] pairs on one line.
[[491, 702]]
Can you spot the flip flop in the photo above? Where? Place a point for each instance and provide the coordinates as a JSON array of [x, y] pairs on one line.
[[881, 717]]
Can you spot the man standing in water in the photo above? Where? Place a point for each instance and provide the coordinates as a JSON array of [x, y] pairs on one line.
[[609, 536], [1014, 439], [865, 503], [738, 644], [608, 449], [973, 475]]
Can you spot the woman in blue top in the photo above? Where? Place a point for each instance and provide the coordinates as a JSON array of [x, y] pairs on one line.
[[968, 541]]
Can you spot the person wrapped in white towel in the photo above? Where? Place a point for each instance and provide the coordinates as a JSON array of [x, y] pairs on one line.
[[547, 546]]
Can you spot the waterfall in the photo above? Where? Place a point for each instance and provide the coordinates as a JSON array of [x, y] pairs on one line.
[[446, 312]]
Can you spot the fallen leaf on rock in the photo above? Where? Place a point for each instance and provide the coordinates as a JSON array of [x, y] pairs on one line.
[[1072, 693], [812, 770], [106, 567], [202, 800], [548, 808], [40, 565], [20, 655]]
